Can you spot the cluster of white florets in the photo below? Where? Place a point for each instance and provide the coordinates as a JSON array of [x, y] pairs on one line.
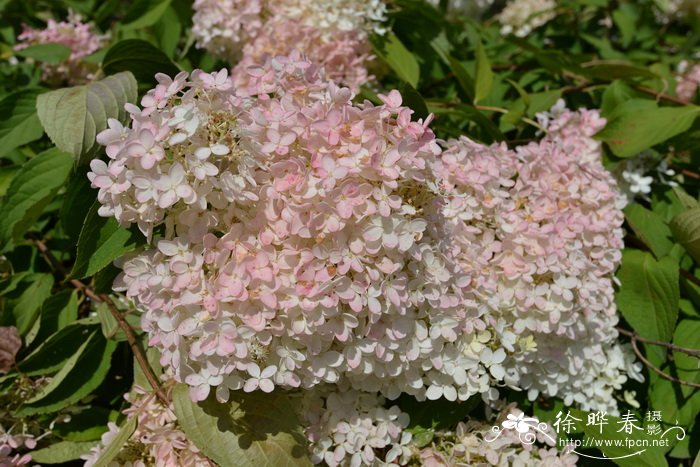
[[303, 239], [332, 34], [79, 37], [521, 17], [511, 440], [300, 240], [349, 427], [538, 233]]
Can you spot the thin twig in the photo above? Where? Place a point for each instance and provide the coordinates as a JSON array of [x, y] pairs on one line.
[[123, 324], [690, 276], [673, 347], [656, 370]]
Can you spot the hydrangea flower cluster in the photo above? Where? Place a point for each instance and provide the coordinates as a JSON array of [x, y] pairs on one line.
[[303, 239], [300, 240], [157, 440], [79, 37], [348, 427], [538, 233], [521, 17], [687, 81], [473, 443], [332, 34]]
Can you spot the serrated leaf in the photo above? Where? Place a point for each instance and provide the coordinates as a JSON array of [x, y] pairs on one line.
[[80, 376], [484, 75], [101, 241], [30, 191], [112, 449], [49, 53], [639, 124], [63, 372], [140, 58], [51, 355], [252, 429], [686, 229], [398, 57], [648, 297], [72, 117], [57, 312], [63, 451], [650, 228], [19, 123]]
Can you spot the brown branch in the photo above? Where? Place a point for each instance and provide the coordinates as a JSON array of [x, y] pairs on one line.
[[690, 173], [668, 345], [660, 95], [123, 324], [656, 370]]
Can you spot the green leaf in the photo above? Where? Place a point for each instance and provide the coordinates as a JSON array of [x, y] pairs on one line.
[[57, 312], [466, 82], [435, 415], [687, 335], [484, 74], [140, 58], [648, 297], [398, 57], [625, 19], [101, 242], [413, 100], [616, 94], [22, 304], [72, 117], [19, 123], [81, 374], [29, 193], [86, 425], [252, 429], [686, 229], [61, 452], [111, 451], [52, 354], [7, 174], [650, 228], [169, 31], [49, 53], [77, 201], [639, 124], [144, 13]]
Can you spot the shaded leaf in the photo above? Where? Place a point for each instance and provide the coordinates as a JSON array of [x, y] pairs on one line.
[[101, 241], [140, 58], [249, 430], [19, 123]]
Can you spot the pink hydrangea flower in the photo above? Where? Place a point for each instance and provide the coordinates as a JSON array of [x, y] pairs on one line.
[[79, 37]]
